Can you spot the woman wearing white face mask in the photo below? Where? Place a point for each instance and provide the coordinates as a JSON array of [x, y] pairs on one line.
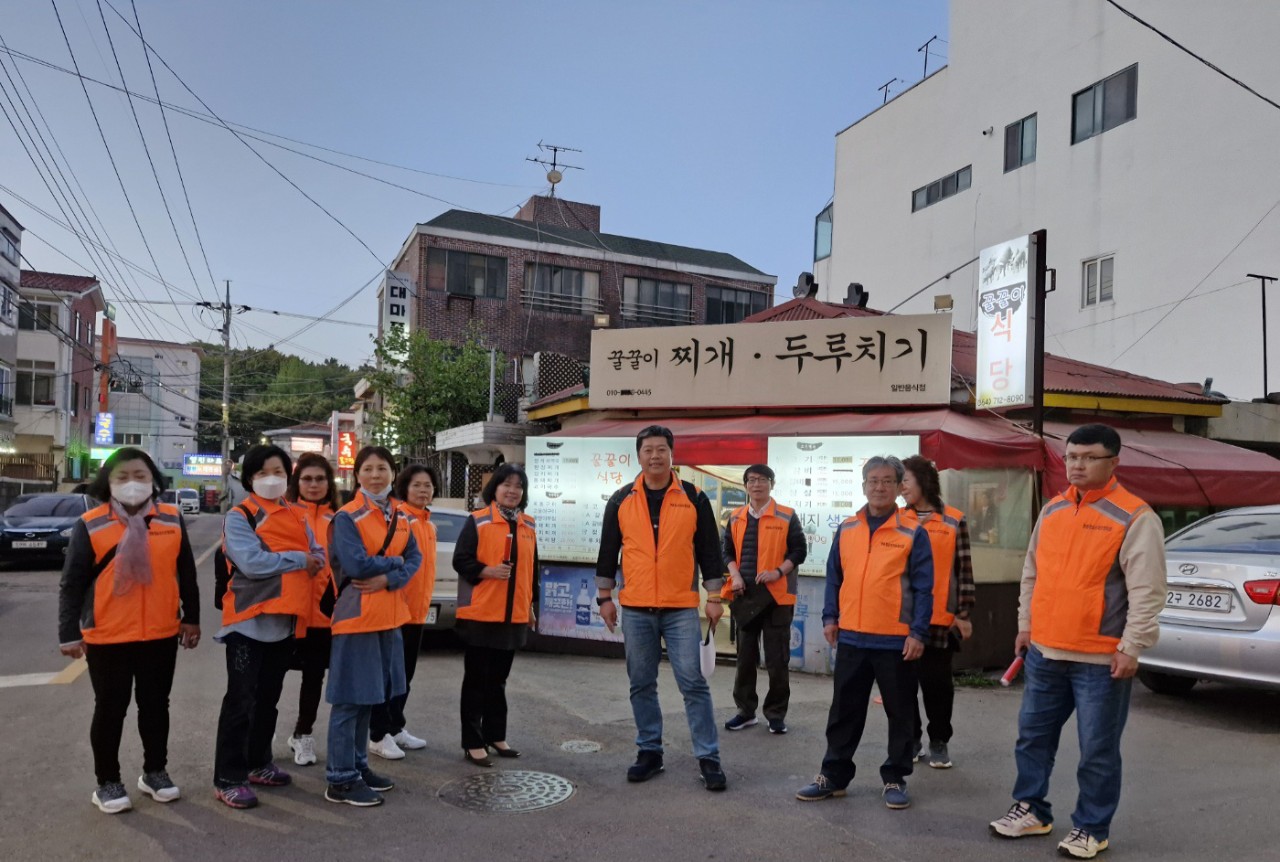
[[128, 598], [272, 556]]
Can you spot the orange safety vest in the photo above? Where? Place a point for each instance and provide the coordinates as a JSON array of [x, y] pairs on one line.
[[875, 596], [356, 612], [1080, 602], [318, 517], [771, 547], [280, 529], [419, 589], [665, 576], [493, 601], [944, 532], [147, 612]]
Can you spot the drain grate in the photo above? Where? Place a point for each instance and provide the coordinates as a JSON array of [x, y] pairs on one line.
[[580, 746], [507, 791]]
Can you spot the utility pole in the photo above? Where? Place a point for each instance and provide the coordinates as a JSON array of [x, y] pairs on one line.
[[1262, 280], [227, 310]]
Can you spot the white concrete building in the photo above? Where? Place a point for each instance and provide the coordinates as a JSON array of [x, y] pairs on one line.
[[155, 387], [10, 276], [1157, 179]]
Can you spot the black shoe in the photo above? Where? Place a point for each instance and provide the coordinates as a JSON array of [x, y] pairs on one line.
[[777, 725], [482, 760], [712, 775], [353, 793], [505, 752], [741, 722], [376, 782], [647, 765]]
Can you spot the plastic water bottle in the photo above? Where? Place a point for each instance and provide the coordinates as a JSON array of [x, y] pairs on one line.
[[582, 606]]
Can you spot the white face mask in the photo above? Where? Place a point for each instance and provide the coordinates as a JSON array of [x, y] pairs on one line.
[[270, 487], [380, 496], [131, 493]]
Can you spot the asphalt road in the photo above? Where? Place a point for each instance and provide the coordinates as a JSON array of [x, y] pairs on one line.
[[1199, 784]]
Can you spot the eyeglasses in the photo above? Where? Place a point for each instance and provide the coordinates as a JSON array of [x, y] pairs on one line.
[[1087, 460], [880, 483], [312, 479], [758, 480]]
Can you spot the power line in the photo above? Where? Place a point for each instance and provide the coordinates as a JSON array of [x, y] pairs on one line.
[[943, 277]]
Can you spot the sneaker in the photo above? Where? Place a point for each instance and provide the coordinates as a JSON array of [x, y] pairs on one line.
[[821, 788], [158, 786], [647, 765], [270, 776], [1081, 845], [777, 725], [740, 722], [353, 793], [303, 748], [386, 748], [376, 782], [895, 796], [712, 775], [239, 796], [408, 741], [111, 798], [1019, 822], [939, 758]]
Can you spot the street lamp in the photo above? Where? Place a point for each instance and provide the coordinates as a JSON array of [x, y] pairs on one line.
[[1262, 280]]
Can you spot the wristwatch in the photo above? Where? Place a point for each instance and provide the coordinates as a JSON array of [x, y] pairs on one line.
[[600, 602]]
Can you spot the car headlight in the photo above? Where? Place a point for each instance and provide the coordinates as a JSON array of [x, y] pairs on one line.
[[66, 534]]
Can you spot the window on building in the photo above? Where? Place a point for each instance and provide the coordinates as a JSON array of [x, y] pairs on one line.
[[122, 381], [85, 394], [36, 381], [75, 329], [74, 401], [951, 184], [8, 303], [9, 247], [560, 288], [1020, 143], [1098, 280], [648, 300], [730, 305], [468, 274], [38, 316], [6, 390], [1105, 105], [127, 439], [822, 234]]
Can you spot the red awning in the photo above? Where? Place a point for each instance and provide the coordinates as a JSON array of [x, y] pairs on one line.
[[1167, 468]]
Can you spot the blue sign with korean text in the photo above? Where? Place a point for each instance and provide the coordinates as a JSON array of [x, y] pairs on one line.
[[104, 429]]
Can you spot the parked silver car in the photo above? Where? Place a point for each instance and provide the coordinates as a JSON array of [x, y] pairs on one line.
[[444, 597], [1222, 612]]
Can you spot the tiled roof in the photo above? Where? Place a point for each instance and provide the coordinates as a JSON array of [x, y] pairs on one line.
[[56, 281], [510, 228], [565, 394]]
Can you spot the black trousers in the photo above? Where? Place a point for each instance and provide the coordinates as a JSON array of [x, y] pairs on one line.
[[255, 675], [119, 673], [856, 669], [483, 706], [311, 656], [938, 690], [388, 718], [773, 627]]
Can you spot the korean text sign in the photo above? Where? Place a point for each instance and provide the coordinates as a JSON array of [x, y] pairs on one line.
[[1004, 333], [346, 450], [570, 481], [847, 361]]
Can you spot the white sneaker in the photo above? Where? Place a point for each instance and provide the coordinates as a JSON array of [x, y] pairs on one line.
[[303, 748], [408, 741], [159, 786], [1019, 822], [111, 798], [386, 748], [1081, 845]]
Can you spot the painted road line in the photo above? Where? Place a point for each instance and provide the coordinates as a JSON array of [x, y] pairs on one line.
[[207, 553], [21, 679], [70, 673]]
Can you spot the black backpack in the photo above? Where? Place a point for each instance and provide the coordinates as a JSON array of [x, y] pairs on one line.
[[223, 569]]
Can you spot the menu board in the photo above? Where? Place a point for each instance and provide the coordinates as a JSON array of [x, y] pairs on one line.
[[821, 478], [570, 481]]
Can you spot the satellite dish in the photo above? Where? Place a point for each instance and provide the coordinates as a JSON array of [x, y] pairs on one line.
[[805, 286], [554, 176]]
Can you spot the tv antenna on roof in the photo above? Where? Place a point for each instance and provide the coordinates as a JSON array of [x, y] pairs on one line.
[[555, 170], [884, 88]]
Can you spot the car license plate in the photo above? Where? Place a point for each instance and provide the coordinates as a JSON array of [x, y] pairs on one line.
[[433, 615], [1198, 600], [24, 544]]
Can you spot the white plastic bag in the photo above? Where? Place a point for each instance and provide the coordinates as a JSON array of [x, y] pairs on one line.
[[707, 653]]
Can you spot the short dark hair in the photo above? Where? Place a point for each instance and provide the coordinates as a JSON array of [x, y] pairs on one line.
[[760, 470], [655, 431], [312, 459], [926, 476], [407, 475], [1087, 435], [100, 487], [877, 461], [257, 457], [373, 452], [502, 474]]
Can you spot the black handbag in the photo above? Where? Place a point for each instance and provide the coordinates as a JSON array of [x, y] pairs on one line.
[[754, 601]]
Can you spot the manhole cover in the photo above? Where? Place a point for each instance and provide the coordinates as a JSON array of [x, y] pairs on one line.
[[580, 746], [507, 792]]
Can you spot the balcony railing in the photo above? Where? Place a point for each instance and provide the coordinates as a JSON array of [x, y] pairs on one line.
[[659, 315], [561, 304]]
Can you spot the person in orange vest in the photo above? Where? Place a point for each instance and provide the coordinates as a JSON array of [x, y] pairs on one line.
[[127, 600], [953, 599], [496, 558], [1093, 587], [763, 546], [374, 557], [666, 532], [274, 560], [879, 600], [313, 490], [415, 488]]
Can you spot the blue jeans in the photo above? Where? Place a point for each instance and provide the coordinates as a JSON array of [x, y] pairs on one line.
[[681, 628], [1055, 689], [348, 754]]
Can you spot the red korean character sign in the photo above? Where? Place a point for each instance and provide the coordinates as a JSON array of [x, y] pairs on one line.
[[346, 450], [1005, 325]]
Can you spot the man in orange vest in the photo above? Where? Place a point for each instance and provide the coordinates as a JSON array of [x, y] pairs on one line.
[[764, 544], [1093, 586], [878, 605], [665, 531]]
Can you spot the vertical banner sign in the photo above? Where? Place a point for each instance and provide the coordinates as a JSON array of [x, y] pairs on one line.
[[1005, 339], [104, 428], [346, 450]]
